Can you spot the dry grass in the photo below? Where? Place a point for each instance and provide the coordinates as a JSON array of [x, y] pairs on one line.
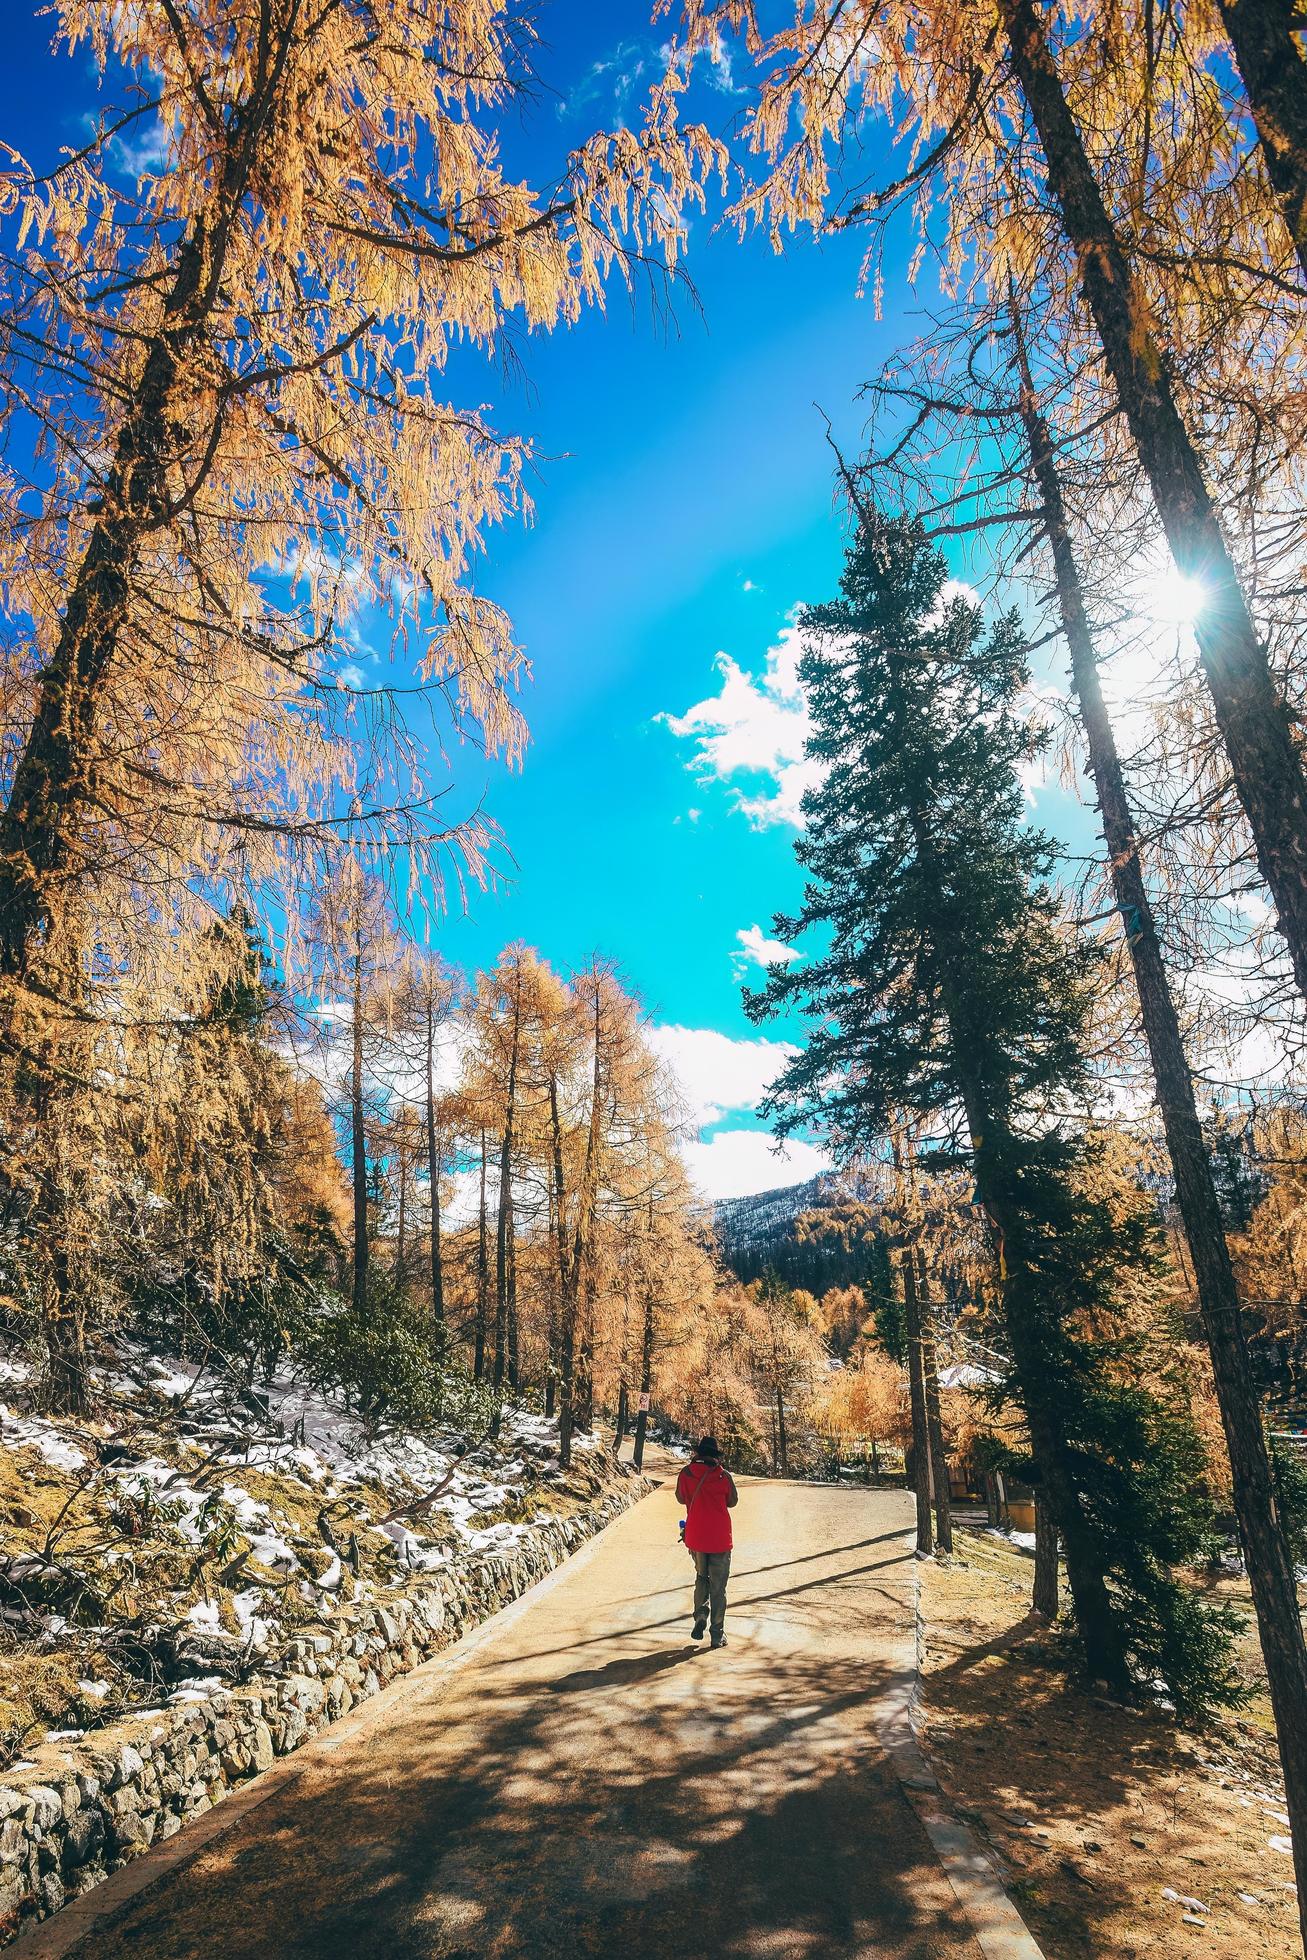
[[1094, 1811]]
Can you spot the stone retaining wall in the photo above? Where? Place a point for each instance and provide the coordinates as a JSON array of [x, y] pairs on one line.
[[86, 1808]]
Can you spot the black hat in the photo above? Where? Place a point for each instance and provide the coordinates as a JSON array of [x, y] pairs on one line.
[[707, 1446]]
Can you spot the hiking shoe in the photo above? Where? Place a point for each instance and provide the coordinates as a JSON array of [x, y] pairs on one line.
[[696, 1631], [719, 1640]]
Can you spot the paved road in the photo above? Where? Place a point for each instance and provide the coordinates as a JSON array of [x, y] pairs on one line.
[[589, 1782]]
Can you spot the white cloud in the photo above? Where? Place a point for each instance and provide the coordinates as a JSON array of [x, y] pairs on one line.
[[614, 76], [719, 1074], [1032, 774], [146, 155], [394, 1069], [952, 588], [755, 726], [323, 571], [756, 946], [738, 1163], [723, 75], [143, 150]]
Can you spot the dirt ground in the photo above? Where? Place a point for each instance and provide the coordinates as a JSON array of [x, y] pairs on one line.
[[1119, 1834]]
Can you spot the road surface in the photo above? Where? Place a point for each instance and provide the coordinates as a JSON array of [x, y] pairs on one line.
[[588, 1781]]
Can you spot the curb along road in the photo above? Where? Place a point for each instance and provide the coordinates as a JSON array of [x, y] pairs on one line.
[[1001, 1933]]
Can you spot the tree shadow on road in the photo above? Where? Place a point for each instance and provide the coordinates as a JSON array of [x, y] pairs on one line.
[[808, 1558], [740, 1603], [740, 1807]]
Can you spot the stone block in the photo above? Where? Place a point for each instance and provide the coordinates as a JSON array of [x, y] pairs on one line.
[[50, 1893], [126, 1766], [15, 1893], [386, 1626], [47, 1805], [83, 1838]]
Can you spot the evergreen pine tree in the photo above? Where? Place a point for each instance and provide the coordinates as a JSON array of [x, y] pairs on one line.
[[889, 1322], [945, 988]]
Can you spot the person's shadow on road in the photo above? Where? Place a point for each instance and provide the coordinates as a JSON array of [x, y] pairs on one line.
[[621, 1673]]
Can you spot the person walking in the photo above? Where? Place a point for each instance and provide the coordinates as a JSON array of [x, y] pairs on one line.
[[709, 1495]]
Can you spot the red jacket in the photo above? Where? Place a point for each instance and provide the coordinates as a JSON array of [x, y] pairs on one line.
[[706, 1490]]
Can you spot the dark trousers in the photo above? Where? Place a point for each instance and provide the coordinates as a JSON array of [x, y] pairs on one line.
[[711, 1571]]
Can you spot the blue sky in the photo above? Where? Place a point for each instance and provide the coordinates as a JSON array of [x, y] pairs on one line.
[[683, 508]]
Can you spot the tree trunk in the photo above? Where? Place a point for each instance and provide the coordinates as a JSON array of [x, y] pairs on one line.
[[646, 1382], [61, 1195], [583, 1393], [992, 1515], [1026, 1316], [358, 1140], [67, 1386], [1264, 36], [934, 1421], [504, 1221], [1253, 719], [921, 1471], [499, 1329], [483, 1278], [1096, 1619], [551, 1309], [52, 773], [619, 1427], [433, 1174], [566, 1380], [1266, 1555], [402, 1220], [782, 1447], [1045, 1593], [1024, 1313], [576, 1262], [514, 1366], [558, 1228]]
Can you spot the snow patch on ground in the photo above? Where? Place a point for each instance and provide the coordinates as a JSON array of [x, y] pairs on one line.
[[32, 1432], [254, 1628], [1025, 1539], [171, 1462]]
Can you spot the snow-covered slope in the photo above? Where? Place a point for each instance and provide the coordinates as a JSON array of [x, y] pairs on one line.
[[757, 1235], [189, 1529], [748, 1224]]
